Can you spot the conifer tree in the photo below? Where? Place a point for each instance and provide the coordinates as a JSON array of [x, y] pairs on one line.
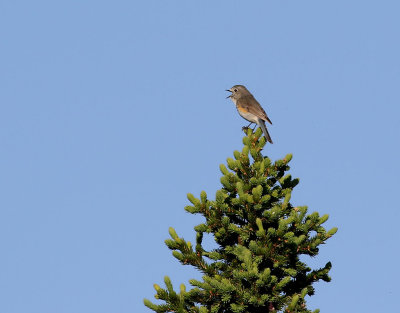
[[260, 237]]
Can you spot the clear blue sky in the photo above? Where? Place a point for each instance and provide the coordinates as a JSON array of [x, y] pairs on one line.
[[111, 111]]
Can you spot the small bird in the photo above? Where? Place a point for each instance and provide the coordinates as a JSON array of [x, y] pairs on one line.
[[249, 108]]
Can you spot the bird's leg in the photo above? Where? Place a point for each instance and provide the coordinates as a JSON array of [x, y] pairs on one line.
[[247, 127]]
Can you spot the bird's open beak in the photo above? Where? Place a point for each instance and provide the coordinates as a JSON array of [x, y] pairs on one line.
[[230, 94]]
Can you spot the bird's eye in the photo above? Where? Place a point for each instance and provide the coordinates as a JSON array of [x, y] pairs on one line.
[[235, 90]]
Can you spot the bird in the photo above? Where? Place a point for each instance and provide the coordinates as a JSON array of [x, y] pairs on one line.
[[249, 108]]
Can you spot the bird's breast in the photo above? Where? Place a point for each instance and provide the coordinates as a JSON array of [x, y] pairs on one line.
[[246, 114]]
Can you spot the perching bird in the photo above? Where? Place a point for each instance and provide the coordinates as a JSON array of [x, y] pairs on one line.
[[249, 108]]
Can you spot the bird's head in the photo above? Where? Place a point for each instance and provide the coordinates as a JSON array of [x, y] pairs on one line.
[[238, 91]]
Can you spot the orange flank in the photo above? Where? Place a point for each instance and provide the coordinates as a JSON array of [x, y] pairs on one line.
[[241, 109]]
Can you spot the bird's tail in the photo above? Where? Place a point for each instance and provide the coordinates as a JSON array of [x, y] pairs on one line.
[[265, 131]]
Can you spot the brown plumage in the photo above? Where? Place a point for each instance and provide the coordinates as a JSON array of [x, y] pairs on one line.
[[249, 108], [251, 105]]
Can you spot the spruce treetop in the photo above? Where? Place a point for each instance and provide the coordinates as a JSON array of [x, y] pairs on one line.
[[260, 237]]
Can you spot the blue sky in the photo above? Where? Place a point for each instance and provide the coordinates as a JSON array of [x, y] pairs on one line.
[[110, 112]]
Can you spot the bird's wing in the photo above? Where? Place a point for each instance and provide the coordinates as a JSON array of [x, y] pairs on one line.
[[257, 110]]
